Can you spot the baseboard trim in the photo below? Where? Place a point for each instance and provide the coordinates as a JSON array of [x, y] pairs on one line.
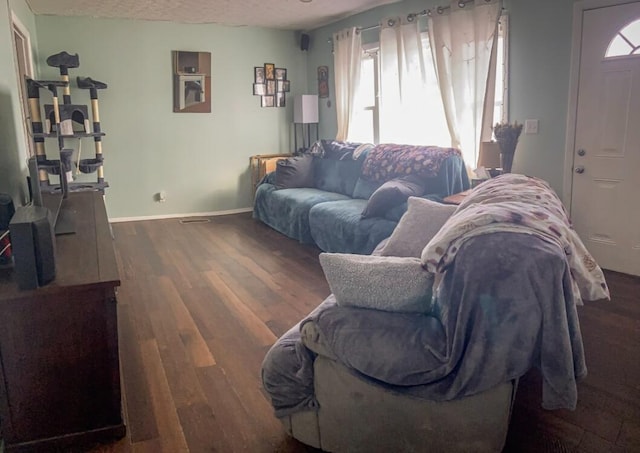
[[178, 216]]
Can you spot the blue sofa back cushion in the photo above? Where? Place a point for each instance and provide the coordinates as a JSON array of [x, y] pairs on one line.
[[334, 149], [365, 188], [339, 176], [294, 172]]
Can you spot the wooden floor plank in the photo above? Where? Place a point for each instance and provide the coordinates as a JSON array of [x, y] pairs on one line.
[[253, 325], [178, 368], [171, 432], [140, 421], [200, 304], [191, 338]]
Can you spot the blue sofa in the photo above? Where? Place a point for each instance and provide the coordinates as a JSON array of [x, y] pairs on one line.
[[328, 211]]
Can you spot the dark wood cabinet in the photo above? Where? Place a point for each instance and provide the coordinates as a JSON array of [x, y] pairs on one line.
[[60, 378]]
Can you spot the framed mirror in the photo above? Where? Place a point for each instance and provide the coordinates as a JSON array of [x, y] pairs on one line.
[[191, 81]]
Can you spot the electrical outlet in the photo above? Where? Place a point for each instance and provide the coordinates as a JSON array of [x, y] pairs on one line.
[[161, 196], [531, 126]]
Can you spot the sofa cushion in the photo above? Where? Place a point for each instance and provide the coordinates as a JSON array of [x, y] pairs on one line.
[[337, 226], [392, 193], [336, 149], [335, 175], [418, 225], [365, 188], [294, 172], [287, 210], [378, 282]]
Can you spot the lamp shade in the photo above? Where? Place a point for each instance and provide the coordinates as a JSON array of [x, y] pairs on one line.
[[489, 156], [305, 108]]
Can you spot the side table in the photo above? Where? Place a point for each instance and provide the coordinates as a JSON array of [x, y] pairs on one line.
[[457, 198], [260, 165]]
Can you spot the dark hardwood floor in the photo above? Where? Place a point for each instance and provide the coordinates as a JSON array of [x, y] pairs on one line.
[[200, 304]]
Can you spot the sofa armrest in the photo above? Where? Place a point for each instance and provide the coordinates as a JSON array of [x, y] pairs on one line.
[[313, 339]]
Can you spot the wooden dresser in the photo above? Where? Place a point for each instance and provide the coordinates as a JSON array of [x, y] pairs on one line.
[[60, 378]]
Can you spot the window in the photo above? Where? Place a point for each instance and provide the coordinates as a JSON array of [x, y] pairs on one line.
[[367, 126], [626, 42], [500, 110], [364, 126]]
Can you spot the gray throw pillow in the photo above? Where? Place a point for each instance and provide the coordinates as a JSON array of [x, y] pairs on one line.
[[382, 283], [392, 193], [417, 226], [294, 172]]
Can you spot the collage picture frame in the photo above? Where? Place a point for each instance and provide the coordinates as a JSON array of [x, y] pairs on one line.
[[271, 84]]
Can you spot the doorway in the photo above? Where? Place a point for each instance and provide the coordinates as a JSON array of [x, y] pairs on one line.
[[605, 156], [24, 66]]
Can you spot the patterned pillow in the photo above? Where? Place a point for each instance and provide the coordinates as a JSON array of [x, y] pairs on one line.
[[376, 282]]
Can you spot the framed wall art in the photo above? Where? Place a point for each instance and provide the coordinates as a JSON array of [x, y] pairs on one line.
[[192, 81], [258, 72], [323, 81], [269, 71], [281, 74], [271, 84], [268, 101]]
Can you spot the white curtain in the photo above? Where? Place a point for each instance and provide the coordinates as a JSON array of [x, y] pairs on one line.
[[408, 87], [462, 40], [347, 58]]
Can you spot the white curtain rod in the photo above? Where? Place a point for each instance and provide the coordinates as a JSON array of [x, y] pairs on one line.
[[425, 12]]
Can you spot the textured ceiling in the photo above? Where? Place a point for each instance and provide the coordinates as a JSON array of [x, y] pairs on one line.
[[282, 14]]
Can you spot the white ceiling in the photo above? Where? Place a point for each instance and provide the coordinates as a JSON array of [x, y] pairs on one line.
[[282, 14]]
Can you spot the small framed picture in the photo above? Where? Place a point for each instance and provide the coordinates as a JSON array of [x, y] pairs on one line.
[[323, 81], [281, 74], [259, 89], [269, 71], [280, 86], [286, 86], [268, 101], [271, 87], [280, 99], [258, 72]]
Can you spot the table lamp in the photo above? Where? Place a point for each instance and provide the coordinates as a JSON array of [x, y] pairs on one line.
[[489, 158]]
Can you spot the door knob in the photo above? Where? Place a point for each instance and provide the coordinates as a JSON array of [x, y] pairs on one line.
[[580, 169], [581, 152]]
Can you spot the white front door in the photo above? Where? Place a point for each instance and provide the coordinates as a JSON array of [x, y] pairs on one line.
[[605, 203]]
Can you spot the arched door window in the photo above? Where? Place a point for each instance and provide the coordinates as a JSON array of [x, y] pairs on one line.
[[626, 42]]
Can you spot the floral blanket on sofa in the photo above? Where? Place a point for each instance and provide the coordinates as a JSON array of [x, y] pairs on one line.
[[519, 204], [388, 161]]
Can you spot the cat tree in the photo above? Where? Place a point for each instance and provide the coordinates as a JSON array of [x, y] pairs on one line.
[[64, 121]]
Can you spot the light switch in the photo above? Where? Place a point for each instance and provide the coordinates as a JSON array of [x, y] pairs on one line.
[[531, 126]]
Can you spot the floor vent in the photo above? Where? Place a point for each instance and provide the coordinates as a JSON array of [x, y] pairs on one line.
[[187, 221]]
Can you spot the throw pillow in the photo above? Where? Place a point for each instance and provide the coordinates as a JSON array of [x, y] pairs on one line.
[[294, 172], [417, 226], [392, 193], [381, 283]]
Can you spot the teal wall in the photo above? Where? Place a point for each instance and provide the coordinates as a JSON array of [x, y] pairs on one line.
[[201, 160], [13, 145], [539, 58]]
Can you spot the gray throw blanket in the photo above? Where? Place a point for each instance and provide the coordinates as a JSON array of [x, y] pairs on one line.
[[504, 305]]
